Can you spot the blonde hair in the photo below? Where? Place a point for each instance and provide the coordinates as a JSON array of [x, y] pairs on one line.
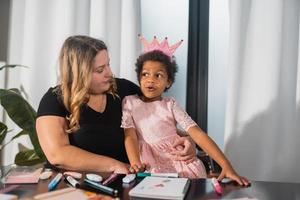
[[75, 61]]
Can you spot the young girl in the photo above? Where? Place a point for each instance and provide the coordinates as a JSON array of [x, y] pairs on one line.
[[150, 120]]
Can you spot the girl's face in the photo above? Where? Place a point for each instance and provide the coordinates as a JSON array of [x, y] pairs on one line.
[[153, 80], [101, 73]]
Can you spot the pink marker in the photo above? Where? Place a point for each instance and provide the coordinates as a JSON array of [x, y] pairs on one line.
[[217, 186], [110, 179]]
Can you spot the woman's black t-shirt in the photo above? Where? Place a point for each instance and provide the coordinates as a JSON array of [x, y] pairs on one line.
[[99, 133]]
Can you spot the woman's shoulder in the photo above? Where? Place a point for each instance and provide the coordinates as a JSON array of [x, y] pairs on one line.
[[126, 87], [51, 103], [53, 91], [52, 94]]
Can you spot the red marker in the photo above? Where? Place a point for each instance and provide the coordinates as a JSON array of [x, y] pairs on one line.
[[216, 186]]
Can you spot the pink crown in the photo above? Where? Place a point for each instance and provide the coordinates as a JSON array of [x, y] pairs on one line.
[[163, 46]]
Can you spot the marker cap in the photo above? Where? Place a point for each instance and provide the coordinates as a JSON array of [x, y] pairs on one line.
[[94, 177]]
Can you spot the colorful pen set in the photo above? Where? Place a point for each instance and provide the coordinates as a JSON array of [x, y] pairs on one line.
[[74, 183]]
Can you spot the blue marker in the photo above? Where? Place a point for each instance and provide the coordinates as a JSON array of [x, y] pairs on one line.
[[54, 182]]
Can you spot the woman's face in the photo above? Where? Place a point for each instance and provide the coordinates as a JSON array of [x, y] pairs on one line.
[[101, 73]]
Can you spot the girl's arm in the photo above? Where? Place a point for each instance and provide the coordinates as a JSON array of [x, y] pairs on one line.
[[132, 149], [59, 152], [210, 147]]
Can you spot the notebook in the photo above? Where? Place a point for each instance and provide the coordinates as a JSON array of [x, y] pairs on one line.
[[161, 188], [22, 174]]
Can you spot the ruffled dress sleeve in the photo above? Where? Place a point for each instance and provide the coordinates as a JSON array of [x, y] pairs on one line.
[[127, 119], [181, 116]]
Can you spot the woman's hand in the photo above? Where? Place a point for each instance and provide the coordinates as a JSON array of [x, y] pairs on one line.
[[228, 172], [184, 150], [121, 168]]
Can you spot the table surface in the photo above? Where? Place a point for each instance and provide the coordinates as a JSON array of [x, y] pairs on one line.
[[199, 189]]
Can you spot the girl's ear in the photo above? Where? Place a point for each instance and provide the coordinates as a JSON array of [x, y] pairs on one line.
[[169, 84]]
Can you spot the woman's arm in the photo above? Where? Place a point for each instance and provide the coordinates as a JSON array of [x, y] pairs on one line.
[[210, 147], [55, 144], [132, 149]]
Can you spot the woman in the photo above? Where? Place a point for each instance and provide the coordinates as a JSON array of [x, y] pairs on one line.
[[78, 123]]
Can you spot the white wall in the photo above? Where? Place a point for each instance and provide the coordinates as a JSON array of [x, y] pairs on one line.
[[169, 18], [218, 59]]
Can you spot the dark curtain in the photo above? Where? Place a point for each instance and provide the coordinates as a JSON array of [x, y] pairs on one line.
[[197, 71]]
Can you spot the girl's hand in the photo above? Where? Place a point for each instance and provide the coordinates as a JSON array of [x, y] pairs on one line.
[[139, 167], [231, 174], [184, 150]]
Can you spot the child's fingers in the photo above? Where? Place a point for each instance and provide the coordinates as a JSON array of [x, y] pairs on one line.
[[245, 181], [221, 176], [241, 180], [237, 179], [131, 170], [147, 166], [182, 152], [135, 167], [143, 167], [186, 158], [179, 141]]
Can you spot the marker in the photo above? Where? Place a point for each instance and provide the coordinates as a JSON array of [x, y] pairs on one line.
[[110, 179], [101, 187], [73, 174], [216, 186], [72, 181], [94, 177], [167, 175], [45, 175], [54, 182]]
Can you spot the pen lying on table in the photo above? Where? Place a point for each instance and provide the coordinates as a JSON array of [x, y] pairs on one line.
[[72, 181], [101, 187], [111, 178], [167, 175], [54, 182], [216, 186]]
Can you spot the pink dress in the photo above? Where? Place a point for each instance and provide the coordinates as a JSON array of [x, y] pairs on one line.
[[155, 123]]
